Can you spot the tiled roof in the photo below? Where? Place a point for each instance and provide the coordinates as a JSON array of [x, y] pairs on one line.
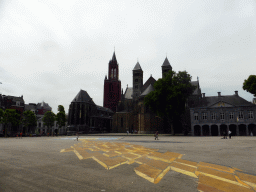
[[83, 96], [166, 63], [234, 100], [148, 90], [29, 107], [137, 67], [15, 98], [150, 81], [128, 93], [104, 109], [44, 105]]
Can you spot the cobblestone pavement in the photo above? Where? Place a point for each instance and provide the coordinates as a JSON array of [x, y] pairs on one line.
[[154, 165], [128, 163]]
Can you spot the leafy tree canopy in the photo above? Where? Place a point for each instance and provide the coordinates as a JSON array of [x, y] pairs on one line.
[[61, 108], [61, 117], [29, 119], [249, 85], [170, 94], [49, 118], [9, 116]]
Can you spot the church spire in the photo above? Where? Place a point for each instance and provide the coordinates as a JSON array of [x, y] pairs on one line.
[[114, 57]]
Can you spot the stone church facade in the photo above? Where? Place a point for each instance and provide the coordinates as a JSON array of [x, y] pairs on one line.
[[132, 114]]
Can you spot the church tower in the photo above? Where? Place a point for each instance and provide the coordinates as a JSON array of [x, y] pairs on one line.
[[112, 86], [137, 80], [166, 67]]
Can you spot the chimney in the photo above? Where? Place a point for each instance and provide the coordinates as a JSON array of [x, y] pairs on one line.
[[236, 93], [219, 94], [203, 95]]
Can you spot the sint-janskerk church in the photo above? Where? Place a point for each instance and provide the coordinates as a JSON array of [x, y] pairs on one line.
[[124, 111]]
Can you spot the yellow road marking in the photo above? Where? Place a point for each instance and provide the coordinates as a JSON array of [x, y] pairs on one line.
[[155, 165], [78, 155], [222, 179], [221, 185]]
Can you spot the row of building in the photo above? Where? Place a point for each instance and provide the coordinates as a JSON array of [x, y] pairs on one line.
[[124, 111], [18, 103]]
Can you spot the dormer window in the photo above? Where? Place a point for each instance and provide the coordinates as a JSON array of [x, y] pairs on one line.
[[18, 103]]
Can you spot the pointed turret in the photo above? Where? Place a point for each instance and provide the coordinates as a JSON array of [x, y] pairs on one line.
[[137, 80], [137, 67], [114, 57], [166, 63], [166, 67]]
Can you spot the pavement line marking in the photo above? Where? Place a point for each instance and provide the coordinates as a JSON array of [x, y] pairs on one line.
[[186, 164], [253, 185], [101, 163], [78, 155], [144, 176], [184, 172], [160, 177], [243, 183], [223, 179]]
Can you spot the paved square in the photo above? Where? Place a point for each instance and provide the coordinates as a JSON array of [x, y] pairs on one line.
[[132, 163]]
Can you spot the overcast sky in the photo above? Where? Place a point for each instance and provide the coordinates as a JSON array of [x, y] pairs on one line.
[[49, 50]]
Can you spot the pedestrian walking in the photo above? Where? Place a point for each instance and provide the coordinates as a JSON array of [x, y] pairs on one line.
[[127, 132], [224, 135], [77, 136], [21, 135], [229, 134], [156, 135]]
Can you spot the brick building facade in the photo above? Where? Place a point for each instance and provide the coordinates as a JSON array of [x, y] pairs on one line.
[[112, 85]]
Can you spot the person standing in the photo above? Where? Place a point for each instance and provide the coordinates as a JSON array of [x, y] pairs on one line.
[[21, 135], [156, 135], [77, 136], [229, 134]]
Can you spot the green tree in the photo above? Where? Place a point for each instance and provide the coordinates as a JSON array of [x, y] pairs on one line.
[[61, 117], [170, 95], [249, 85], [9, 117], [48, 119], [29, 120]]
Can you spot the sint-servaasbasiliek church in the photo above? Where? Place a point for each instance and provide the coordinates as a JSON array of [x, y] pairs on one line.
[[122, 111], [130, 112]]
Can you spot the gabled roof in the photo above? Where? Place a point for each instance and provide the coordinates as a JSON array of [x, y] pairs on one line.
[[234, 100], [83, 96], [128, 93], [44, 105], [150, 81], [148, 90], [166, 63], [137, 67]]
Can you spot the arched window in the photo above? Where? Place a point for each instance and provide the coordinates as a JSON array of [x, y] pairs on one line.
[[114, 73], [111, 73]]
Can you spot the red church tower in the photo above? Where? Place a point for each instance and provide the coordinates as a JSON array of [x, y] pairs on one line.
[[112, 86]]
